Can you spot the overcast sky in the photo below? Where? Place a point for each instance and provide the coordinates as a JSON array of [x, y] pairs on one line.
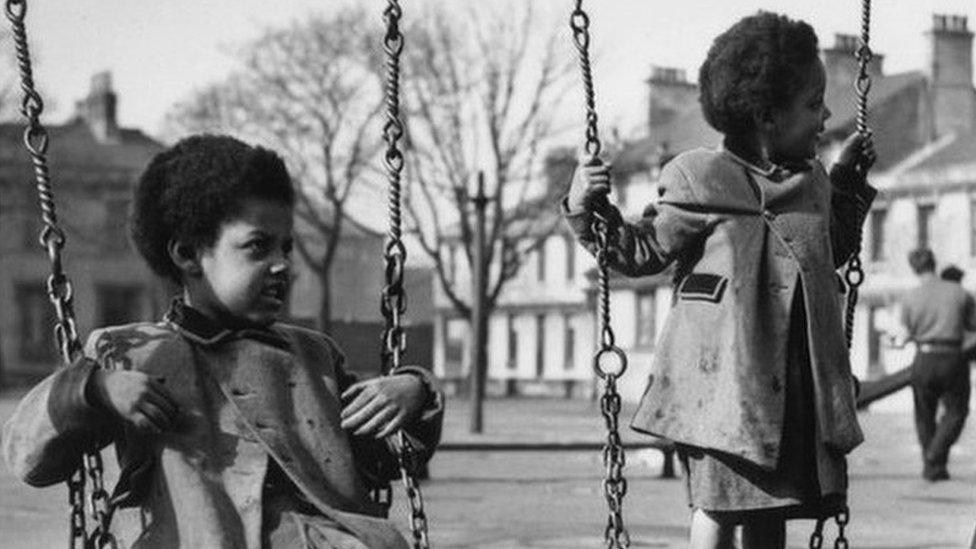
[[159, 50]]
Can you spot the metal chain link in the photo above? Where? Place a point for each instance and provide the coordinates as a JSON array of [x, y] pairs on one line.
[[615, 534], [59, 289], [854, 274], [393, 301], [816, 538], [842, 518], [579, 22]]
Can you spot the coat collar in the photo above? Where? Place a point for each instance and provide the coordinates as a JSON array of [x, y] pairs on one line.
[[202, 329], [774, 172]]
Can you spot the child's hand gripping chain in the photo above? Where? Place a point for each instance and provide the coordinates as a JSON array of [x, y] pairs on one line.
[[382, 405]]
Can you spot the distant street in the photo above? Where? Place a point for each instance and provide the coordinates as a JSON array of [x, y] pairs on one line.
[[553, 499]]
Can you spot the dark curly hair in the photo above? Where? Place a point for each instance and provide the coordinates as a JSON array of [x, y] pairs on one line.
[[190, 189], [754, 67]]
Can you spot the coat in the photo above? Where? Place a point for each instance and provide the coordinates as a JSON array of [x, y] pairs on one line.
[[718, 372], [247, 396]]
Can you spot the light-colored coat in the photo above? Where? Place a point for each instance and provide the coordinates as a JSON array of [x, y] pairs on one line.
[[718, 375], [247, 397]]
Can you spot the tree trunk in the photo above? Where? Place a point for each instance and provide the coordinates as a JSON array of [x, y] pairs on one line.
[[479, 311], [325, 305]]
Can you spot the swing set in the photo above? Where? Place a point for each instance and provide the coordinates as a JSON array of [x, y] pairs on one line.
[[609, 362]]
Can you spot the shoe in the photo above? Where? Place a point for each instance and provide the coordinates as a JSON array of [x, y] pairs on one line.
[[935, 474]]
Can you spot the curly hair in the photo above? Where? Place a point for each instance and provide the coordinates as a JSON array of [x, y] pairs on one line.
[[189, 190], [757, 65]]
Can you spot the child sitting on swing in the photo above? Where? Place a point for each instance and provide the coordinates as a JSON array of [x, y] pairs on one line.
[[232, 430], [751, 376]]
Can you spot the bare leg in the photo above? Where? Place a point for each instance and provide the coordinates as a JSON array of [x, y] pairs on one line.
[[707, 532], [764, 533]]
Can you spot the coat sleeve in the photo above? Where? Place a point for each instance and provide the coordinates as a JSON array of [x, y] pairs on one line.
[[666, 228], [54, 424], [423, 432], [850, 201]]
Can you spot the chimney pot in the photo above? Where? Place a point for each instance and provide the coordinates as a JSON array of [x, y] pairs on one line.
[[98, 109], [845, 42]]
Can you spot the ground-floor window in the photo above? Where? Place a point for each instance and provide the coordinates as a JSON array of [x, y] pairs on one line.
[[37, 319]]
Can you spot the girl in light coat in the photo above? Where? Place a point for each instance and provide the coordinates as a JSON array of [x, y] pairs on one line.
[[751, 375]]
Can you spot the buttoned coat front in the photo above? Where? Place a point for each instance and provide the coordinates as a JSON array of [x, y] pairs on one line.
[[743, 241], [246, 397]]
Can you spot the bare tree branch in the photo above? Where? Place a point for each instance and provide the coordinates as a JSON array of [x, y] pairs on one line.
[[482, 90]]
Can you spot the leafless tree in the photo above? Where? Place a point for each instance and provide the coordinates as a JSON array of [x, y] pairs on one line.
[[312, 92], [482, 91]]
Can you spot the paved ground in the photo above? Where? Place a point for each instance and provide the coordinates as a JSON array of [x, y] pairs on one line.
[[553, 499]]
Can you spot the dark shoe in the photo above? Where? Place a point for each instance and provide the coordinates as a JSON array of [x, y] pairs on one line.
[[935, 473]]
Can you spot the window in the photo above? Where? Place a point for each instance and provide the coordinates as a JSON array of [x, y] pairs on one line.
[[540, 345], [37, 320], [878, 218], [30, 230], [118, 304], [540, 255], [571, 258], [451, 261], [646, 325], [453, 348], [972, 225], [116, 219], [512, 343], [569, 344], [925, 215]]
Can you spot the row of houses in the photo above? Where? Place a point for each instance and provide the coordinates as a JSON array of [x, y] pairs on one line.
[[924, 123]]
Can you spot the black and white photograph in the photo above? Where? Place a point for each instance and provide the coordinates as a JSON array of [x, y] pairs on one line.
[[398, 274]]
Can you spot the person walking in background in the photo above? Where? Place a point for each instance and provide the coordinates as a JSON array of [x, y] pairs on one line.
[[935, 315]]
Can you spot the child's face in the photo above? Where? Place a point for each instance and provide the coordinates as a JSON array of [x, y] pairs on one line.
[[246, 274], [795, 130]]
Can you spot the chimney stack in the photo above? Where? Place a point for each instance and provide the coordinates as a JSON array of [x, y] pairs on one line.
[[841, 64], [670, 95], [950, 73], [98, 109]]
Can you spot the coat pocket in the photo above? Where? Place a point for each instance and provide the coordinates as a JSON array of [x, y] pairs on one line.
[[703, 287]]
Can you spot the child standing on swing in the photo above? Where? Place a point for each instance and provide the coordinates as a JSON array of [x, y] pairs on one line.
[[232, 430], [751, 375]]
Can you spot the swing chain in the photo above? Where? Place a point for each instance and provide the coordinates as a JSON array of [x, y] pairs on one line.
[[842, 518], [614, 485], [406, 459], [59, 289], [579, 22], [393, 302], [816, 538], [854, 274]]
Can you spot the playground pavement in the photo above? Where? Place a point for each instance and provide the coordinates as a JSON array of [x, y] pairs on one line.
[[553, 498]]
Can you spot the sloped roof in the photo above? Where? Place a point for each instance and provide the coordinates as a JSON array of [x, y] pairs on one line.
[[684, 132], [72, 145], [962, 150], [842, 100], [892, 139]]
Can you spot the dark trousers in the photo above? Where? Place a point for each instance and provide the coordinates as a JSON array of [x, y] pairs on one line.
[[939, 377]]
